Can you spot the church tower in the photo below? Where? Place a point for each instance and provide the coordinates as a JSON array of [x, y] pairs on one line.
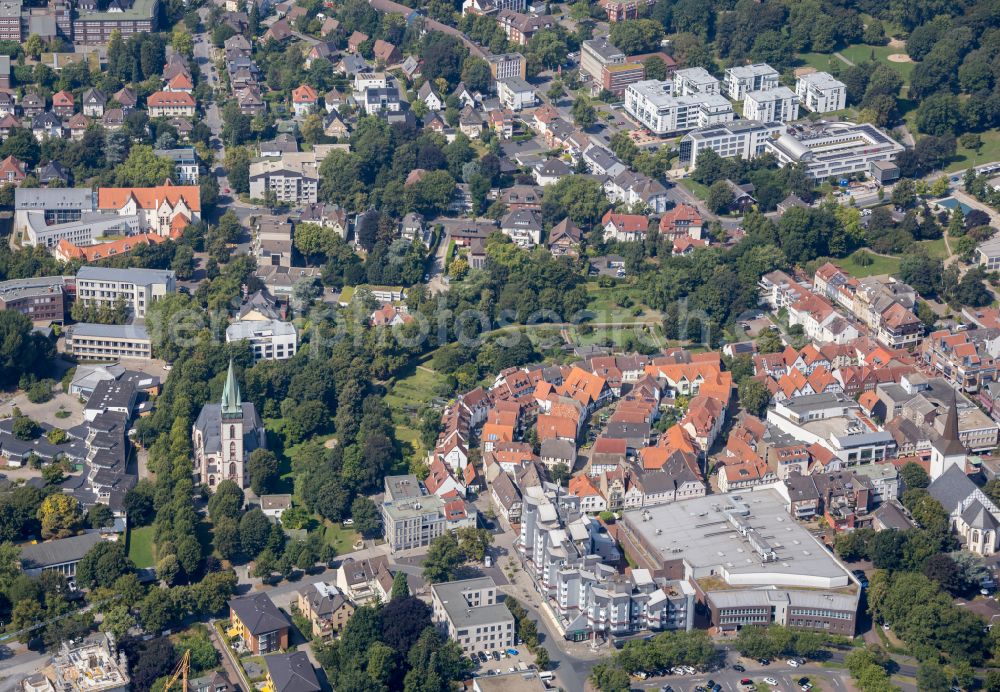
[[947, 450], [231, 434]]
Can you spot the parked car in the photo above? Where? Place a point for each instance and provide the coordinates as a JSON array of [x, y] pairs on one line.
[[771, 681], [792, 662], [739, 669]]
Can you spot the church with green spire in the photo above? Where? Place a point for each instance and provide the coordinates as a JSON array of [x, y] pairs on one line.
[[224, 436]]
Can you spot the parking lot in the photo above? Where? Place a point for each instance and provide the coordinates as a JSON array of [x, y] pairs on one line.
[[776, 676], [507, 663]]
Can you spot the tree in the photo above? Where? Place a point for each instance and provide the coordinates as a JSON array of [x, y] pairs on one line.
[[143, 168], [263, 469], [400, 587], [255, 528], [226, 501], [168, 569], [402, 621], [444, 557], [939, 114], [754, 396], [770, 341], [720, 196], [584, 113], [60, 516], [34, 46], [103, 564], [117, 620], [655, 68], [474, 542], [21, 349], [367, 518], [932, 678], [226, 537], [904, 194], [610, 678], [476, 74], [637, 36], [913, 475]]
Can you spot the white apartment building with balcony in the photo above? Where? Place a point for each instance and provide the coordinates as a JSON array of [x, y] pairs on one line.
[[821, 93], [779, 104], [652, 103], [738, 81]]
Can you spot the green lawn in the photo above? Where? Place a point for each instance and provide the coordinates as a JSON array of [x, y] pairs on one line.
[[604, 304], [990, 151], [140, 546], [696, 189], [823, 62], [879, 265], [860, 52], [342, 539], [406, 397], [934, 248]]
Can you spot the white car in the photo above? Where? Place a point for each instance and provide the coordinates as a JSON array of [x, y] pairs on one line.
[[770, 681], [792, 662]]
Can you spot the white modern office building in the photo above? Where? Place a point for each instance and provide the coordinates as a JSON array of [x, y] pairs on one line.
[[834, 149], [821, 93], [745, 138], [652, 104], [738, 81], [779, 104]]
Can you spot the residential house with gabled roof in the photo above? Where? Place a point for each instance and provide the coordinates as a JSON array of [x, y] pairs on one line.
[[325, 607], [180, 82], [263, 628], [361, 580], [385, 52], [77, 126], [279, 32], [681, 221], [624, 227], [12, 171], [304, 100], [63, 103], [32, 104], [506, 498], [430, 97], [94, 102], [591, 499], [126, 98], [564, 239], [46, 125], [355, 40], [165, 104]]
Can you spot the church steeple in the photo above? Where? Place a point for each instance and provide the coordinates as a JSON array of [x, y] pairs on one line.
[[232, 404]]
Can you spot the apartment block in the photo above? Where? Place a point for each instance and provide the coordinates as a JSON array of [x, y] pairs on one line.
[[507, 65], [269, 339], [108, 342], [779, 104], [185, 164], [412, 518], [139, 288], [653, 105], [821, 93], [470, 613], [738, 81], [128, 17], [294, 178], [695, 80]]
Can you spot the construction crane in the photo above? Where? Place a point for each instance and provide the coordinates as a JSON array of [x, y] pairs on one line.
[[180, 672]]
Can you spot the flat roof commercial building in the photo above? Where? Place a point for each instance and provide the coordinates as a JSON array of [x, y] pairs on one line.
[[748, 561], [744, 138], [40, 299], [834, 149], [469, 613], [598, 53], [269, 339]]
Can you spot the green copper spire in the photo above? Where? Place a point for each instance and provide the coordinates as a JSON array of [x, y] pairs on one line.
[[232, 405]]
